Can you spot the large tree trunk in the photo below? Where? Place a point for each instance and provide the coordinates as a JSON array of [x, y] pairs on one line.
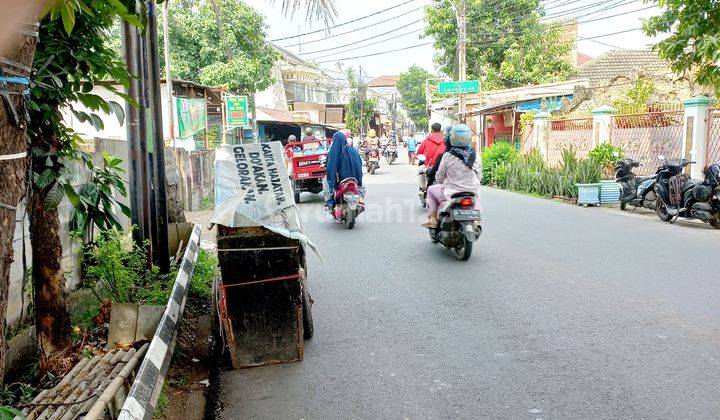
[[12, 178], [51, 316]]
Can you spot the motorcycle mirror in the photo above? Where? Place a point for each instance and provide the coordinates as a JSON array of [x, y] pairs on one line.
[[661, 157], [421, 159]]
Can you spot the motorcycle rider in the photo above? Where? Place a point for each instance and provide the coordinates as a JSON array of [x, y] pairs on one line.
[[371, 142], [342, 162], [433, 146], [430, 172], [458, 171]]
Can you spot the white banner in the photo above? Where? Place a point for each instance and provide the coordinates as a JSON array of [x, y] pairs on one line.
[[252, 188]]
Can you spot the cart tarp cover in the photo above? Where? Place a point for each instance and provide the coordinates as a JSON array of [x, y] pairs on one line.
[[252, 188]]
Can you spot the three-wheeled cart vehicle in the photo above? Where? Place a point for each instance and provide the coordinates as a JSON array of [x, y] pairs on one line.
[[306, 165], [263, 304]]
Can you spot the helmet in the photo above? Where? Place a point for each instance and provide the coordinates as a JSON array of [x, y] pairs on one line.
[[292, 137], [372, 133], [460, 135], [446, 132], [308, 131], [347, 133], [318, 135]]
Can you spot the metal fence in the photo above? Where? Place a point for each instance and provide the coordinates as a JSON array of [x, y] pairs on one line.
[[645, 136], [575, 133], [713, 138]]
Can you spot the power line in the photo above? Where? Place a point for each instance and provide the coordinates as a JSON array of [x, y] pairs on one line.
[[414, 31], [366, 39], [358, 29], [345, 23], [374, 54]]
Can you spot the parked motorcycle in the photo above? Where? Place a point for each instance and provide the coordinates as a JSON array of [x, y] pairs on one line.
[[638, 191], [422, 180], [373, 161], [459, 225], [390, 153], [680, 196], [348, 202]]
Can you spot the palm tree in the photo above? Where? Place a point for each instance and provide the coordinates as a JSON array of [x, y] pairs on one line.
[[316, 9]]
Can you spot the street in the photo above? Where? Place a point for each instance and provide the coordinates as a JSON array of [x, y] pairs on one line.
[[561, 312]]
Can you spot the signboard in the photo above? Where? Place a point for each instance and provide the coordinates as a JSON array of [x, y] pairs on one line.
[[252, 188], [237, 112], [468, 86], [191, 116]]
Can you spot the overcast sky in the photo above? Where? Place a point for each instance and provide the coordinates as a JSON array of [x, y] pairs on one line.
[[407, 19]]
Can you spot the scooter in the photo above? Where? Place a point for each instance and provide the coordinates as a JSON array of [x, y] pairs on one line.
[[680, 196], [422, 180], [638, 191], [373, 161], [459, 225], [390, 153], [348, 202]]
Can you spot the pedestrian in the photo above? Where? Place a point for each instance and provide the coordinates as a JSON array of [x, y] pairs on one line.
[[412, 147]]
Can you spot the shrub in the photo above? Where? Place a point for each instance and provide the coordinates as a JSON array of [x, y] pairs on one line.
[[604, 155], [588, 172], [498, 153]]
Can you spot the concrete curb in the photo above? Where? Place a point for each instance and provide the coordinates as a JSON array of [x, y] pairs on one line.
[[140, 403]]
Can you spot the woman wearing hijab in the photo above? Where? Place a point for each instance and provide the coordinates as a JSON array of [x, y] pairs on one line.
[[342, 162], [458, 171]]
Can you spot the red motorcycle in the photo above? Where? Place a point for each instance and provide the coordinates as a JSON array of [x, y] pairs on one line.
[[348, 202]]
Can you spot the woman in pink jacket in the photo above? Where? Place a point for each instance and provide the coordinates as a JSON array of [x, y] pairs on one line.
[[459, 171]]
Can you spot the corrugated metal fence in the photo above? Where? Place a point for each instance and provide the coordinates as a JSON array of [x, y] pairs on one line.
[[565, 133], [645, 136], [713, 138]]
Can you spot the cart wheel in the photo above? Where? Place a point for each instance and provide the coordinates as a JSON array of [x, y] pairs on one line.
[[308, 329], [296, 196]]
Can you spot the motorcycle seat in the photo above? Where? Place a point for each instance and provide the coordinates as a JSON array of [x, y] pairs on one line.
[[644, 178], [462, 194]]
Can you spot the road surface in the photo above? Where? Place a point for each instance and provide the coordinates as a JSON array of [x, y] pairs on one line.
[[561, 312]]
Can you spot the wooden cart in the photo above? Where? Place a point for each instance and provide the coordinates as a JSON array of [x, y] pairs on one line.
[[263, 302]]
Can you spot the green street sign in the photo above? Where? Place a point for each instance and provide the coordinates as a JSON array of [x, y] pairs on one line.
[[468, 86], [237, 111]]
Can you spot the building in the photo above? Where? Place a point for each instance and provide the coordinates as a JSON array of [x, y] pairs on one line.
[[390, 113]]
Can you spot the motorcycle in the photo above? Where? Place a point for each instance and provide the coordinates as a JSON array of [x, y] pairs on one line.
[[680, 196], [390, 153], [373, 161], [459, 225], [348, 202], [422, 180], [638, 191]]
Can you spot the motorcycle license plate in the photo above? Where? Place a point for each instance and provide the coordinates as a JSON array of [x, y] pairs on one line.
[[373, 159], [466, 214], [303, 175]]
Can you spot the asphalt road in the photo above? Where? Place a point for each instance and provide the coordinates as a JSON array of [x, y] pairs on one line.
[[561, 312]]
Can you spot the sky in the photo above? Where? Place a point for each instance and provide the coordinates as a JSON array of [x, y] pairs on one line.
[[407, 23]]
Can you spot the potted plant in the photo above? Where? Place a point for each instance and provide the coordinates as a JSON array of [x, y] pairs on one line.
[[587, 181], [605, 155]]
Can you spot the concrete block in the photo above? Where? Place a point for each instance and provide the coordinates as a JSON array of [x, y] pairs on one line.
[[123, 324], [148, 319]]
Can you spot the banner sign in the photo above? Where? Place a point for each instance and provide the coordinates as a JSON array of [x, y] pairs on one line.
[[468, 86], [237, 111], [191, 116], [252, 188]]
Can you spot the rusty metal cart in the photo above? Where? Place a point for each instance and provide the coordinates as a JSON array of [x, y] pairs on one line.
[[263, 302]]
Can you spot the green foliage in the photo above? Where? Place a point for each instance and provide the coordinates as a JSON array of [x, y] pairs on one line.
[[118, 269], [604, 156], [636, 99], [411, 86], [498, 153], [569, 160], [206, 204], [162, 406], [588, 172], [206, 271], [67, 66], [9, 413], [507, 45], [692, 46], [219, 43]]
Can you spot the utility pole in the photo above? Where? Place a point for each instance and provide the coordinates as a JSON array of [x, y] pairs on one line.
[[394, 112], [161, 247], [461, 14], [361, 96], [168, 79]]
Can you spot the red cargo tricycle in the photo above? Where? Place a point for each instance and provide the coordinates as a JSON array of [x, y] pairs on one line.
[[306, 165]]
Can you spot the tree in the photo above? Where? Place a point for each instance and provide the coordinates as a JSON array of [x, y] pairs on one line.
[[507, 45], [694, 42], [220, 43], [69, 62], [411, 86], [356, 116]]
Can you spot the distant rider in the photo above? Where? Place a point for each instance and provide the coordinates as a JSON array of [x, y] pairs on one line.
[[458, 171], [433, 146]]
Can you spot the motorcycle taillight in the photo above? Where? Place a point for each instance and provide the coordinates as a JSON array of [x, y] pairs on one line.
[[466, 202]]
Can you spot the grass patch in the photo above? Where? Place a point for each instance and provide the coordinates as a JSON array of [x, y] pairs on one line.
[[207, 204]]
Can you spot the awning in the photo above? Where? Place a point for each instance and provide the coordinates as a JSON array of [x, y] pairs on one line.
[[264, 114], [543, 104]]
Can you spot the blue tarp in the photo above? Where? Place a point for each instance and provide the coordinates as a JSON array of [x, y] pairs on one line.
[[554, 103]]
